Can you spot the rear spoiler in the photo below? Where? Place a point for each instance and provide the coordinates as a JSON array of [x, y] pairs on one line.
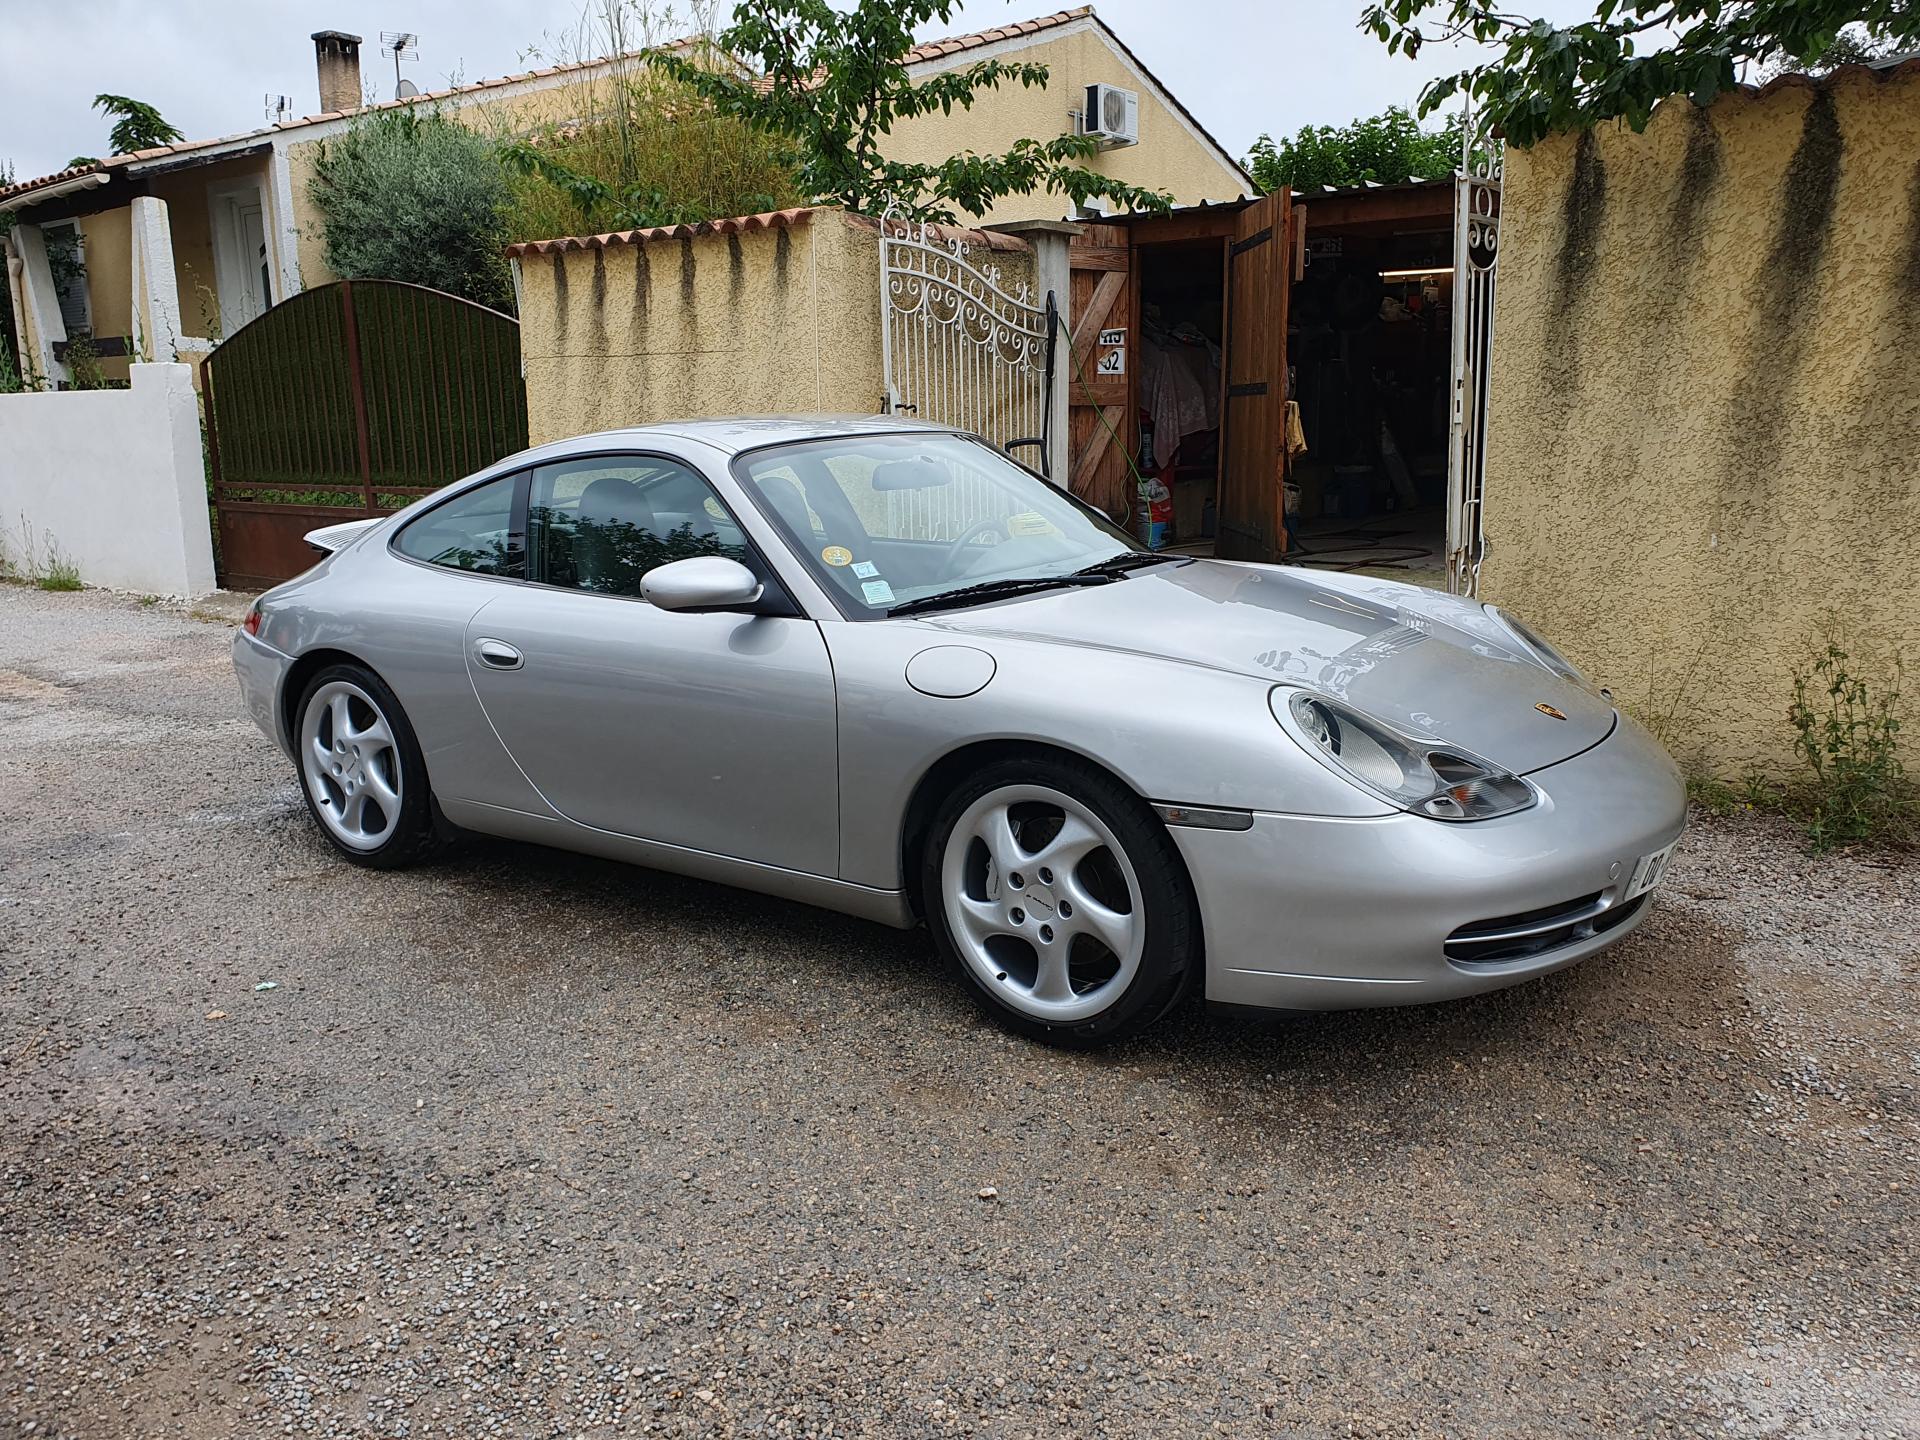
[[329, 538]]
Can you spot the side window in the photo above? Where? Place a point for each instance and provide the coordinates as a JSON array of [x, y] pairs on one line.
[[601, 524], [67, 259], [472, 532]]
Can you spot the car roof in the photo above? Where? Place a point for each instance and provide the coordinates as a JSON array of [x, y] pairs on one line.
[[733, 434]]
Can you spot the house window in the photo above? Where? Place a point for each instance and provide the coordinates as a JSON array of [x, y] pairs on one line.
[[67, 259]]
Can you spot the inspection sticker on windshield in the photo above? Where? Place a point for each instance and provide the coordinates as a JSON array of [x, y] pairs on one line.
[[878, 592], [865, 569], [1030, 522], [837, 555], [1649, 872]]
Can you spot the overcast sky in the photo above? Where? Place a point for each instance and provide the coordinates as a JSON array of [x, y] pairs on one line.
[[1241, 66]]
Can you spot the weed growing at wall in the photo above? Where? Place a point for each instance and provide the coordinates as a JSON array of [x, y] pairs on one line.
[[641, 149], [42, 562], [1847, 733]]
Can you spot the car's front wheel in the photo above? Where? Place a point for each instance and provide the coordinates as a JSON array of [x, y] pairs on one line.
[[361, 770], [1057, 896]]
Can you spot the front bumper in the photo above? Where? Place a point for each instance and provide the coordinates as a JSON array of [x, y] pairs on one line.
[[261, 670], [1306, 913]]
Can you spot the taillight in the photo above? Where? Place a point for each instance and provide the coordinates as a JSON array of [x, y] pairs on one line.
[[252, 623]]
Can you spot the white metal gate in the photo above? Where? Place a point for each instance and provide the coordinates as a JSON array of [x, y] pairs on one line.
[[1476, 248], [958, 346]]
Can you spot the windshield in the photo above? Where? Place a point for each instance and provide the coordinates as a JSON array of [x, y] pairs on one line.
[[888, 520]]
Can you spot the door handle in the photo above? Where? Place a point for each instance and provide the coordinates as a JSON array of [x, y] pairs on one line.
[[497, 655]]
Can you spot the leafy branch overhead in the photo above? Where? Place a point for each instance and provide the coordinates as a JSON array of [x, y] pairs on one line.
[[1627, 58], [1384, 150], [835, 83]]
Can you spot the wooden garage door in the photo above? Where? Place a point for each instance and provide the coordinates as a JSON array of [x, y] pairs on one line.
[[1253, 442], [1099, 414]]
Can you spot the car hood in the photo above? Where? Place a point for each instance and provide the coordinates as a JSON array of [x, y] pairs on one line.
[[1429, 663]]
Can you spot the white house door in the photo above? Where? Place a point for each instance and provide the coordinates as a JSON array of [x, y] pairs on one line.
[[245, 279]]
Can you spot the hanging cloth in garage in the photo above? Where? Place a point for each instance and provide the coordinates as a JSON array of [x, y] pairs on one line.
[[1171, 395]]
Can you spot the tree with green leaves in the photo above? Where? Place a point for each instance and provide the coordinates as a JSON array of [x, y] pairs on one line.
[[1386, 149], [410, 194], [834, 82], [139, 126], [1631, 55]]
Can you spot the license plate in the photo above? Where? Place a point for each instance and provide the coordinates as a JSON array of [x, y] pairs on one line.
[[1649, 871]]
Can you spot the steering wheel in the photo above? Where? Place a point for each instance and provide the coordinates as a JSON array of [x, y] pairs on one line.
[[979, 527]]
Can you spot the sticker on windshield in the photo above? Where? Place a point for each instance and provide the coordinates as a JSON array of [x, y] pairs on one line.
[[878, 592], [1030, 522], [837, 555], [866, 569]]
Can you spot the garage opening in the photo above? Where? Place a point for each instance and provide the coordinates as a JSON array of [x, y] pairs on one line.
[[1181, 391], [1370, 356]]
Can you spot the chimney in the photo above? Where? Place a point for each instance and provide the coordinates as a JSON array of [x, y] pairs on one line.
[[336, 55]]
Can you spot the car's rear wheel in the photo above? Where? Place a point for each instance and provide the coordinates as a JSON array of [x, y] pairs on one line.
[[361, 770], [1057, 896]]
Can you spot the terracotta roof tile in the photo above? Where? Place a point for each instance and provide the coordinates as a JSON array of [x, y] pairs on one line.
[[1796, 80], [733, 225], [955, 44]]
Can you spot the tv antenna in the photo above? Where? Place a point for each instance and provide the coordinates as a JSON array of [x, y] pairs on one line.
[[276, 107], [401, 45]]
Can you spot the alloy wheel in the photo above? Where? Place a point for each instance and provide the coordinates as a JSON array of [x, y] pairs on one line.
[[351, 764], [1043, 903]]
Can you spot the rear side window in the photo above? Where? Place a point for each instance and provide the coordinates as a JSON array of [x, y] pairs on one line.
[[472, 532]]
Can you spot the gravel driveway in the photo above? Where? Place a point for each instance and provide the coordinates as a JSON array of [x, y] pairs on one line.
[[525, 1144]]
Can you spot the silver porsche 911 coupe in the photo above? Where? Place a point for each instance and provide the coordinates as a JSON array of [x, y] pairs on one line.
[[877, 666]]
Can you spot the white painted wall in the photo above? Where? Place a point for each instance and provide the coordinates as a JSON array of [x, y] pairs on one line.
[[114, 478]]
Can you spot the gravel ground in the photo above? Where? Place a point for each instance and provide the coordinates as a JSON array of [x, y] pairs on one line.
[[524, 1144]]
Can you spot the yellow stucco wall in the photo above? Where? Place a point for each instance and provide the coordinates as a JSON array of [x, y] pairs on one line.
[[771, 322], [1169, 156], [1705, 423], [190, 218], [108, 245]]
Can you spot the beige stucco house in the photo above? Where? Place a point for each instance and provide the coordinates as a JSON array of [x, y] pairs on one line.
[[163, 252]]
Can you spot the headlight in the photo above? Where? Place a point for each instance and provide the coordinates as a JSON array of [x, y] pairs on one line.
[[1542, 651], [1413, 774]]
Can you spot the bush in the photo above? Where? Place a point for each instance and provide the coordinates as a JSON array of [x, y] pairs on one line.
[[1847, 731], [409, 194], [659, 164]]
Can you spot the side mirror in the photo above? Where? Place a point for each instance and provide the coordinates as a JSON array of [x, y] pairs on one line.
[[705, 582]]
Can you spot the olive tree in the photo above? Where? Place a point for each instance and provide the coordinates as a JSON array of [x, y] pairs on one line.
[[409, 194]]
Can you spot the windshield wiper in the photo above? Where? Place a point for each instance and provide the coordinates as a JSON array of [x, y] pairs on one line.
[[997, 589], [1118, 565]]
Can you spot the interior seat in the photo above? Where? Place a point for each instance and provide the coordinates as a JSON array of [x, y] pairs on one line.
[[611, 521]]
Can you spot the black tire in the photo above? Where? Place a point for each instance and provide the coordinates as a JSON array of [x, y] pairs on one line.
[[1171, 956], [416, 834]]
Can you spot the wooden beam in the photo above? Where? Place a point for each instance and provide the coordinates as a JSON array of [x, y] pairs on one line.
[[1101, 390], [1089, 325], [1099, 257], [1386, 207], [1192, 225], [1097, 445]]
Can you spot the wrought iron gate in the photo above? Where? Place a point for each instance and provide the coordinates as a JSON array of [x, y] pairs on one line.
[[346, 401], [958, 346], [1476, 249]]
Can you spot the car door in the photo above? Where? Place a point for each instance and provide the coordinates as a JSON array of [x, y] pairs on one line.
[[715, 732], [410, 624]]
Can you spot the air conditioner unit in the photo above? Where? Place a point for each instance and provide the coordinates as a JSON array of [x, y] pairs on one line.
[[1112, 116]]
